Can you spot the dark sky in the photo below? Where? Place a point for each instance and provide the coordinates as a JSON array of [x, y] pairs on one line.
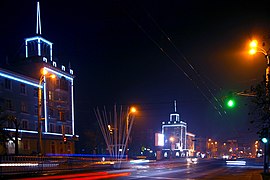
[[120, 53]]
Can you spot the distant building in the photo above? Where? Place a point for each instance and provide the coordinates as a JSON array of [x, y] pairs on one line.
[[177, 141], [211, 148], [20, 82]]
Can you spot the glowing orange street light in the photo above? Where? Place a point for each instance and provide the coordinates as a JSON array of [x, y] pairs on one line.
[[253, 50], [132, 110], [253, 44], [171, 139], [44, 72], [253, 47]]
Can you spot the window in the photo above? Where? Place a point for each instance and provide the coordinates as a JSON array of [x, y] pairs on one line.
[[68, 130], [7, 83], [10, 124], [51, 112], [23, 89], [36, 126], [26, 145], [61, 116], [50, 95], [35, 92], [63, 84], [59, 129], [23, 107], [36, 109], [24, 124], [52, 127], [8, 104]]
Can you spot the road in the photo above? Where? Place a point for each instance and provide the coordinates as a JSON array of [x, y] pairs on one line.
[[171, 169], [204, 169]]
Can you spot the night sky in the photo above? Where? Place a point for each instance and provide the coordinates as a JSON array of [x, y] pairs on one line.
[[136, 53]]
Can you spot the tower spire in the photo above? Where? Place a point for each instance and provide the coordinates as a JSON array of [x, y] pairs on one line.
[[38, 27], [174, 105]]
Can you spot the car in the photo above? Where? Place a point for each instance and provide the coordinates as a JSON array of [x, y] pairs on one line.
[[192, 160]]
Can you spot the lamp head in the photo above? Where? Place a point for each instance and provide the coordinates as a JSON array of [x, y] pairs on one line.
[[44, 71], [133, 109], [253, 47], [253, 44], [52, 76]]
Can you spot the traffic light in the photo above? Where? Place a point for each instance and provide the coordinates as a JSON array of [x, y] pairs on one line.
[[230, 103], [264, 135], [230, 100], [264, 140]]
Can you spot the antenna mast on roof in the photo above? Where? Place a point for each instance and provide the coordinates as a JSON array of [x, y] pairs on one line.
[[38, 27]]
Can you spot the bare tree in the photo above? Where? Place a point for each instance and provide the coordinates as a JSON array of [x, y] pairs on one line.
[[6, 135]]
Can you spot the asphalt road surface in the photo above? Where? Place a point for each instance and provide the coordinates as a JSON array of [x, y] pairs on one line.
[[172, 169]]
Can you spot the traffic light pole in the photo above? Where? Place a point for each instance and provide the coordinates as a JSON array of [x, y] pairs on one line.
[[266, 159], [266, 146]]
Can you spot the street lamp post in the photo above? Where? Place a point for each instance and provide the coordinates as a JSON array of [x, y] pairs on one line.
[[131, 111], [44, 72], [254, 48]]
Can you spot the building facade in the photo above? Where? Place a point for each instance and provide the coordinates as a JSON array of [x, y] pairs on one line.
[[42, 107], [177, 141]]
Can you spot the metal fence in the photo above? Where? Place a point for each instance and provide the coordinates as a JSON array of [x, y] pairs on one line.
[[35, 164]]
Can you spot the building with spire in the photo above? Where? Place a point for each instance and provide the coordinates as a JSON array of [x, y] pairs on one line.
[[40, 108], [178, 142]]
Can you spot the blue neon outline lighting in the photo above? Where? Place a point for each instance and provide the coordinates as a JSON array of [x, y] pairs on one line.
[[58, 73], [26, 131], [44, 59], [72, 109], [39, 38], [20, 80], [72, 98], [39, 51], [45, 103], [51, 52], [174, 125], [26, 49], [38, 27], [35, 132]]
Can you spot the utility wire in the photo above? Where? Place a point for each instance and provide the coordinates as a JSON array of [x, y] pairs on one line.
[[177, 65]]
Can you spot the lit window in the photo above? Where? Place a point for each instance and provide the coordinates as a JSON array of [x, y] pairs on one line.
[[50, 95], [61, 116]]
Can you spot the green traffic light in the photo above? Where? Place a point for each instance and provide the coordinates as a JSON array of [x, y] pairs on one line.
[[230, 103], [264, 140]]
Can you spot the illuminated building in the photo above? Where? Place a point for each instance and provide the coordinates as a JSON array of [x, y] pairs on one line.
[[19, 88], [211, 148], [177, 141]]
